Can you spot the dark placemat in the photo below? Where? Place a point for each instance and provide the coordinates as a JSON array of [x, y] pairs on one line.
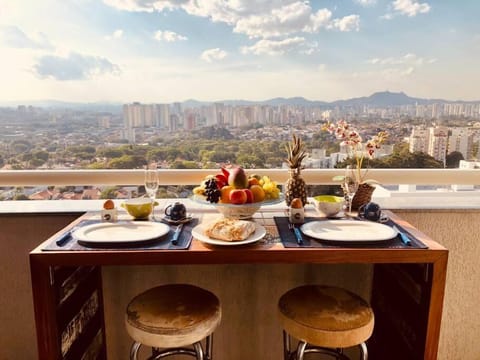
[[163, 243], [288, 238]]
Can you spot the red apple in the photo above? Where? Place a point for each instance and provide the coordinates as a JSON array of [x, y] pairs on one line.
[[249, 196], [238, 196], [221, 180], [225, 172]]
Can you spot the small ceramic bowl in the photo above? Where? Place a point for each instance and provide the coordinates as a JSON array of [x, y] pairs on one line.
[[328, 205], [139, 208]]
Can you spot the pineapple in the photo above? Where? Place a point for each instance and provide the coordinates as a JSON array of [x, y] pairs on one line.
[[295, 185]]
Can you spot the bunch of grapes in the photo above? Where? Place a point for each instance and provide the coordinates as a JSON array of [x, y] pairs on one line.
[[212, 192], [270, 187]]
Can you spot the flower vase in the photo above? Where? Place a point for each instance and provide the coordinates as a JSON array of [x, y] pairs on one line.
[[362, 196]]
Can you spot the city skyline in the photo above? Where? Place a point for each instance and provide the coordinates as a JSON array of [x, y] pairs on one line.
[[165, 51]]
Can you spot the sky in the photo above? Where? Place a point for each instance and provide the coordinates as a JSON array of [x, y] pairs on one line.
[[161, 51]]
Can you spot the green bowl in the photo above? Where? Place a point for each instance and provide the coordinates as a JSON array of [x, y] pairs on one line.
[[139, 208], [328, 205]]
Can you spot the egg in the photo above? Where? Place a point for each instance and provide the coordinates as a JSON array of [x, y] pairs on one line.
[[108, 205], [296, 203]]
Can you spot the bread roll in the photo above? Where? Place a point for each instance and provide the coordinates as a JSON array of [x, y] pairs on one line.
[[230, 229]]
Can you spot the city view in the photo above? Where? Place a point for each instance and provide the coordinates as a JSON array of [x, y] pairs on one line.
[[202, 135]]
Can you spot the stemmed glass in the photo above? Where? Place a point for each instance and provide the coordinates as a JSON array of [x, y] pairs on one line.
[[350, 186], [151, 184]]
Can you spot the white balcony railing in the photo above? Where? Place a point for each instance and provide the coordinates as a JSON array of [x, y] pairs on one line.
[[193, 177], [401, 199]]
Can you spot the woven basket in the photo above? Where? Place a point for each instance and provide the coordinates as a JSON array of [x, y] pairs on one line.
[[362, 196]]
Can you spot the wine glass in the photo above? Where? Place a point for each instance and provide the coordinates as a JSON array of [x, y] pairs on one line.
[[151, 184], [350, 186]]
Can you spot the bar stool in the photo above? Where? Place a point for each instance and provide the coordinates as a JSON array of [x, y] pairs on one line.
[[170, 317], [325, 320]]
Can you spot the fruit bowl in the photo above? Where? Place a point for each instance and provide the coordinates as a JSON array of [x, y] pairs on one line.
[[241, 211]]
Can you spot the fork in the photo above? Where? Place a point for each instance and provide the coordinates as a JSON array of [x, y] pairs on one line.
[[296, 231]]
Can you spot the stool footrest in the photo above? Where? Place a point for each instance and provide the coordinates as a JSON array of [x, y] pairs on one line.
[[169, 352]]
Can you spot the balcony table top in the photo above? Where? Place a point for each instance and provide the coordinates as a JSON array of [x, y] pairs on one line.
[[269, 250]]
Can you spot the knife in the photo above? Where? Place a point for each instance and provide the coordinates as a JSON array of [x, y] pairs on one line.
[[63, 239], [298, 235], [296, 231], [176, 234], [405, 239]]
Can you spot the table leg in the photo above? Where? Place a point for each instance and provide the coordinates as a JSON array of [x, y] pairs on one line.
[[439, 277], [68, 303]]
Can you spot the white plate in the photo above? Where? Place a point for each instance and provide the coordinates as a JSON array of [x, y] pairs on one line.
[[122, 232], [348, 230], [198, 233]]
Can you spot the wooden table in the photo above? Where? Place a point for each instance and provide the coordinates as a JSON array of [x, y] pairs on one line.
[[407, 290]]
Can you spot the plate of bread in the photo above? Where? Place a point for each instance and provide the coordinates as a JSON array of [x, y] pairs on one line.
[[226, 231]]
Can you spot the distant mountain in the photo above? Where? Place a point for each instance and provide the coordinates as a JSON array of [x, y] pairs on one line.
[[378, 99], [299, 101], [96, 106], [387, 98]]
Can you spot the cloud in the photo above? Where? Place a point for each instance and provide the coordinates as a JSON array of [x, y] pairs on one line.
[[117, 34], [14, 37], [145, 5], [73, 67], [322, 67], [168, 36], [410, 7], [407, 59], [347, 23], [256, 19], [293, 18], [274, 47], [403, 66], [366, 2], [211, 55]]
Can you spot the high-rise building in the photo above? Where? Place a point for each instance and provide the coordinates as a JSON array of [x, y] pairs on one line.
[[104, 121], [418, 140], [163, 118], [133, 115], [437, 143], [189, 123], [218, 114], [461, 140]]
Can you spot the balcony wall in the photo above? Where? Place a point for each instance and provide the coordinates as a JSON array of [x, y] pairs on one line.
[[456, 229]]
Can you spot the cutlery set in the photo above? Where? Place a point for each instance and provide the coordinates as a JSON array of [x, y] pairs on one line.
[[297, 232], [176, 234]]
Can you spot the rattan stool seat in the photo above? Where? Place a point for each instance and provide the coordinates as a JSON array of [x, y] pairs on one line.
[[172, 315], [326, 316]]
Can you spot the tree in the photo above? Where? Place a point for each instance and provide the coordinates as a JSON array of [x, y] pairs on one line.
[[453, 159], [109, 192], [127, 162]]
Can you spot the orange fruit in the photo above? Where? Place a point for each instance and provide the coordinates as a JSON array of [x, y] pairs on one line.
[[253, 181], [225, 194], [258, 193]]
